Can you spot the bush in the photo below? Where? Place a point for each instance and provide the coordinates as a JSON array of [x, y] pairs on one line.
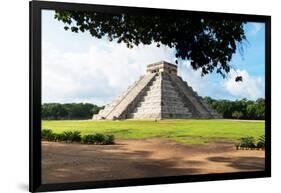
[[58, 137], [71, 136], [75, 136], [247, 142], [109, 139], [90, 139], [98, 138], [261, 142], [47, 134], [66, 136]]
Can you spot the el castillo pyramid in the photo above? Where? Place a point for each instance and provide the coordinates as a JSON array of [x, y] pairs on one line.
[[158, 94]]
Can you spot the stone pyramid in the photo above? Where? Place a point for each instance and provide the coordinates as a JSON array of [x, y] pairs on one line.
[[159, 94]]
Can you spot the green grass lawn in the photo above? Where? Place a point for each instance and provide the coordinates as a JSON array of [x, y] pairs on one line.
[[181, 130]]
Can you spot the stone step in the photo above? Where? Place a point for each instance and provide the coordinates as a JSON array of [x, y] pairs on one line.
[[131, 96], [152, 100], [200, 105]]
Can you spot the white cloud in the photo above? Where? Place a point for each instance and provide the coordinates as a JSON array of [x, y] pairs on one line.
[[208, 85], [105, 70], [255, 28], [251, 87], [79, 68], [97, 75], [214, 85], [192, 77]]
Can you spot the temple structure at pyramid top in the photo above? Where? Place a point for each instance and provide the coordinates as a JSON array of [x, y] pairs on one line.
[[158, 94], [162, 67]]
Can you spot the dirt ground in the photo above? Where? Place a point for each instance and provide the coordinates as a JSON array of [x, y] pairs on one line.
[[142, 158]]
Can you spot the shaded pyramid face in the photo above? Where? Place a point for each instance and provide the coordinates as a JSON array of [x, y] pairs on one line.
[[158, 94]]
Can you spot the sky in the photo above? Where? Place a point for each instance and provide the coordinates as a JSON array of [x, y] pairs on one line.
[[77, 67]]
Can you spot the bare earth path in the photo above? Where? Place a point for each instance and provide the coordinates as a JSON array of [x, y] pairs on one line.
[[142, 158]]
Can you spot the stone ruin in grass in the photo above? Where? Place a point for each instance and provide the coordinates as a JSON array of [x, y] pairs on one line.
[[158, 94]]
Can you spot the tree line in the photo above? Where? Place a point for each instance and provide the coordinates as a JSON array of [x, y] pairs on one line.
[[57, 111], [239, 109]]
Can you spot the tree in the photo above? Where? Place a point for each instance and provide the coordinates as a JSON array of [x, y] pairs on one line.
[[96, 109], [237, 114], [208, 44], [69, 110], [252, 110], [260, 111], [239, 109]]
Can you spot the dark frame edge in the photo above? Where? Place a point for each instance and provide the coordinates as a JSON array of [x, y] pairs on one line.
[[55, 5], [151, 181], [34, 96], [268, 96]]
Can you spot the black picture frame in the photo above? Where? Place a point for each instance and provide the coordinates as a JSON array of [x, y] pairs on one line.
[[35, 184]]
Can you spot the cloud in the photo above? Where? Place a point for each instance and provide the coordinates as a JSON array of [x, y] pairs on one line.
[[104, 70], [96, 75], [80, 68], [215, 86], [208, 85], [192, 77], [255, 28], [251, 87]]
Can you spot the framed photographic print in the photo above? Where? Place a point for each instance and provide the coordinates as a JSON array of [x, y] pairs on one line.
[[126, 96]]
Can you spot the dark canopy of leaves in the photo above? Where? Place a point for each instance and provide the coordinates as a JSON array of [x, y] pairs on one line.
[[208, 44]]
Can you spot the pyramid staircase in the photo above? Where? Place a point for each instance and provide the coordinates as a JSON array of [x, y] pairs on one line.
[[122, 104]]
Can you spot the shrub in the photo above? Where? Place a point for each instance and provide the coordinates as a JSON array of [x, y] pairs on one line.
[[247, 142], [66, 135], [98, 138], [75, 136], [109, 139], [261, 142], [71, 136], [58, 137], [90, 139], [47, 134]]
